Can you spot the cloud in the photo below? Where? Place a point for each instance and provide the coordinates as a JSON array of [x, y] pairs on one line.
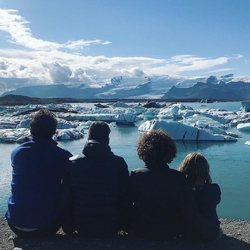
[[83, 43], [44, 62], [59, 73], [20, 34]]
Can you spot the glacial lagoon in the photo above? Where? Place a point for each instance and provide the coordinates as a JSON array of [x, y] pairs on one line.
[[229, 161]]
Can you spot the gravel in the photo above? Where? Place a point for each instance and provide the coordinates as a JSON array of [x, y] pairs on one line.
[[236, 235]]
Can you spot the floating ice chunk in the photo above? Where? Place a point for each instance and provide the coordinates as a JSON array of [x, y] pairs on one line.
[[150, 114], [244, 126], [83, 126], [7, 124], [25, 123], [126, 118], [247, 143], [246, 106], [120, 105], [63, 124], [14, 135], [68, 134], [183, 132], [175, 111]]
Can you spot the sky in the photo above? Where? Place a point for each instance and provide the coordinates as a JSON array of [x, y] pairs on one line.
[[91, 41]]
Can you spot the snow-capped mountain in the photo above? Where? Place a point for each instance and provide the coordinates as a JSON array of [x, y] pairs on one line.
[[124, 87]]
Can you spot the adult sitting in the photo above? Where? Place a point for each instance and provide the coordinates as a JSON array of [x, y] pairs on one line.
[[163, 205], [99, 188], [39, 168]]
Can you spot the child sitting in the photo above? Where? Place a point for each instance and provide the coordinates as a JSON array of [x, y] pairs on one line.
[[207, 194]]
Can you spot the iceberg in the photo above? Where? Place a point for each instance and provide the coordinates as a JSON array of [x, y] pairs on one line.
[[14, 135], [245, 106], [183, 132], [247, 143], [244, 126], [120, 105], [175, 112], [126, 118], [68, 134]]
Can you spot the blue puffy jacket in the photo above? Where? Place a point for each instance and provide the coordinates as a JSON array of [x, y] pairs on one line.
[[39, 167]]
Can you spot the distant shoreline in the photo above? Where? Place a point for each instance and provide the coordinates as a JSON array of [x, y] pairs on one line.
[[11, 100], [236, 236]]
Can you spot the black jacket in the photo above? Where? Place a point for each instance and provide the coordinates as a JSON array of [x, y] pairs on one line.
[[207, 198], [164, 206], [98, 192]]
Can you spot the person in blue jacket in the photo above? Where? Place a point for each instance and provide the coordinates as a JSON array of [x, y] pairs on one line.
[[35, 206]]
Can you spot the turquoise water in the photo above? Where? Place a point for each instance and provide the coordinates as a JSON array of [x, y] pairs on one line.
[[229, 163]]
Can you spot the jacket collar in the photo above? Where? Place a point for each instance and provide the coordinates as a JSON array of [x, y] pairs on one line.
[[94, 148]]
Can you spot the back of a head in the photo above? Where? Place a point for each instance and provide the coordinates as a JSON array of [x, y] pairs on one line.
[[156, 148], [43, 124], [99, 131], [196, 167]]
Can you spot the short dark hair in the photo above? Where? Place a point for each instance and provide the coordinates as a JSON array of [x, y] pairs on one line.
[[156, 148], [99, 131], [43, 124]]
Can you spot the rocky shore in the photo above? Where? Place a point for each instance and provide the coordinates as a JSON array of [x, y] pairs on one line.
[[236, 235]]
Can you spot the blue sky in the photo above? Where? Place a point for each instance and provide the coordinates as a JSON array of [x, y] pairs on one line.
[[91, 41]]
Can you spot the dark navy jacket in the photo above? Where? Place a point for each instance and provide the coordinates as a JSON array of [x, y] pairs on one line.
[[39, 167], [164, 206], [207, 198], [99, 192]]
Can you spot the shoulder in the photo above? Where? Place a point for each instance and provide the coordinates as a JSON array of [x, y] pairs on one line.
[[214, 187], [172, 173], [63, 152], [20, 149], [120, 159]]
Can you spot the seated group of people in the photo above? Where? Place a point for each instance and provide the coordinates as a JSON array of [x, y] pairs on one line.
[[93, 194]]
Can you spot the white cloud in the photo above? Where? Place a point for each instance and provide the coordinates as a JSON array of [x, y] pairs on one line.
[[20, 34], [44, 62], [83, 43]]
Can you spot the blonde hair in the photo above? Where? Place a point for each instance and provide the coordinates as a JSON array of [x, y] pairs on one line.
[[195, 167]]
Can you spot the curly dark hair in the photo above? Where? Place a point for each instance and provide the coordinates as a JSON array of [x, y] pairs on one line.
[[156, 148], [43, 124]]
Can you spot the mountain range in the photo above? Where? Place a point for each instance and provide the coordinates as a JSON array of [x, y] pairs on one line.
[[166, 87]]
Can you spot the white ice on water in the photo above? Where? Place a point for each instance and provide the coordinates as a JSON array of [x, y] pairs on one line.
[[181, 121]]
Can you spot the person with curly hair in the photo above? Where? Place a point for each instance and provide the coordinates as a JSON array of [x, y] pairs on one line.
[[163, 205]]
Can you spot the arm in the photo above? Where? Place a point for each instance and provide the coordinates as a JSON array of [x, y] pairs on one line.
[[124, 195], [67, 217]]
